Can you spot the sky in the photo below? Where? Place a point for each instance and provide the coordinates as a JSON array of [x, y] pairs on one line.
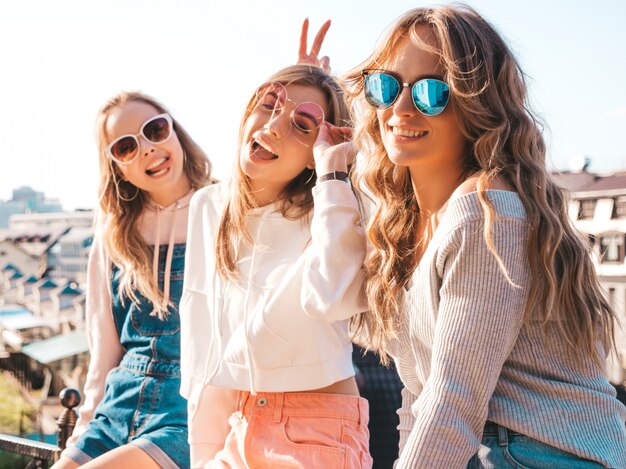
[[61, 60]]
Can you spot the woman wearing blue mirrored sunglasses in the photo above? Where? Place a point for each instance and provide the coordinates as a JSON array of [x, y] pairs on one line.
[[478, 285]]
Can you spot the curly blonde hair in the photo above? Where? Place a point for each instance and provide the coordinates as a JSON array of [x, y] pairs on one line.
[[121, 204], [504, 139]]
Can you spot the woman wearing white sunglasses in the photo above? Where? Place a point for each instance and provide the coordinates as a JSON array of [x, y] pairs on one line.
[[132, 414]]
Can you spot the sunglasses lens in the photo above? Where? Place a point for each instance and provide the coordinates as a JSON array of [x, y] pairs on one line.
[[430, 96], [157, 130], [381, 90], [124, 149], [308, 116], [271, 96]]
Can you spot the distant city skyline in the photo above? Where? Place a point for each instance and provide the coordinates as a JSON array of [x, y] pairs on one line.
[[25, 199], [62, 60]]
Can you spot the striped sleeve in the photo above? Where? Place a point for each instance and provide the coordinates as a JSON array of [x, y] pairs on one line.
[[477, 324]]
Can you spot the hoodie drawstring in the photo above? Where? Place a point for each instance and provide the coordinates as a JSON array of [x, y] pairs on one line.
[[168, 259], [168, 262]]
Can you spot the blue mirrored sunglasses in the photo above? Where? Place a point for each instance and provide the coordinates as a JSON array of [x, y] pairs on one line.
[[382, 89]]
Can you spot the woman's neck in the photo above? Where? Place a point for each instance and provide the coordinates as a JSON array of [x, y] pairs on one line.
[[263, 195], [165, 199], [432, 189]]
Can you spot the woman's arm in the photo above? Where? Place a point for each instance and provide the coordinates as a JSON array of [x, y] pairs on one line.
[[209, 423], [209, 408], [407, 417], [332, 275], [478, 321], [104, 345]]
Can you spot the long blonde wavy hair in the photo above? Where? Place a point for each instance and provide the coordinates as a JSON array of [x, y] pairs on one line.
[[504, 139], [121, 204], [296, 200]]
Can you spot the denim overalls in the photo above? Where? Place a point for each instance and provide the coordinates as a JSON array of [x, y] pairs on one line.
[[142, 404]]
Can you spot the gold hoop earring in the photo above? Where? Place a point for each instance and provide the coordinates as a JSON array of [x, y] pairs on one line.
[[119, 194]]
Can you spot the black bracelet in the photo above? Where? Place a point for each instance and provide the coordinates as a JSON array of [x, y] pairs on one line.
[[338, 175]]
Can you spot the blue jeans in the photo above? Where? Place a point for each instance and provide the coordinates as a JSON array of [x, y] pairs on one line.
[[502, 448]]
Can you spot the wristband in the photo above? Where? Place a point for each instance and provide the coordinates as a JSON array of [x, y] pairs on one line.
[[338, 175]]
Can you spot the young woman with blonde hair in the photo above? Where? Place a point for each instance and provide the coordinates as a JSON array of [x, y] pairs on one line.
[[274, 274], [133, 414], [478, 284]]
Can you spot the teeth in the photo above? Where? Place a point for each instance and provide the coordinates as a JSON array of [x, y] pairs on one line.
[[409, 133], [157, 163], [265, 147]]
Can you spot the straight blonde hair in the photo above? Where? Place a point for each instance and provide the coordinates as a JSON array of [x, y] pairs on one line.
[[296, 200], [121, 204]]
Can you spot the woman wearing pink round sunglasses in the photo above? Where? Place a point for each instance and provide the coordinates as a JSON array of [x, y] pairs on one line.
[[273, 277], [132, 414]]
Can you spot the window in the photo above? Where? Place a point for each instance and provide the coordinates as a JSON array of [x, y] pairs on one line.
[[619, 207], [612, 296], [70, 250], [586, 209], [612, 248]]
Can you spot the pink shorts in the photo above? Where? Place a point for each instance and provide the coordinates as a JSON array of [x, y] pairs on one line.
[[297, 430]]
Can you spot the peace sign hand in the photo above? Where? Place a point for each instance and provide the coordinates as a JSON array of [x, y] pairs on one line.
[[312, 57]]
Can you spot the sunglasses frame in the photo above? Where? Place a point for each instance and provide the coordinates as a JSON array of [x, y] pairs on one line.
[[292, 113], [401, 85], [165, 116]]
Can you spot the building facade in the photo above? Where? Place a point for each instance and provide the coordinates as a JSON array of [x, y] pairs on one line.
[[598, 209], [26, 200]]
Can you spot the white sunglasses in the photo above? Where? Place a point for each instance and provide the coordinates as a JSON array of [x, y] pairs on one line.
[[157, 129]]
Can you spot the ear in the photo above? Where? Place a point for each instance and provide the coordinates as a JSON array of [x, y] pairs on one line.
[[311, 165]]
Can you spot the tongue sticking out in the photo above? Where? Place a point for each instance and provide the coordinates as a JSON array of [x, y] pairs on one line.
[[156, 169], [261, 153]]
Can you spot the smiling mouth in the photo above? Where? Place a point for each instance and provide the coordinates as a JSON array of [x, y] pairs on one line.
[[158, 167], [409, 133], [262, 152]]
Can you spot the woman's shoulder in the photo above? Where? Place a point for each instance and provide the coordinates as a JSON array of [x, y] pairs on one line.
[[465, 201], [212, 195], [471, 185]]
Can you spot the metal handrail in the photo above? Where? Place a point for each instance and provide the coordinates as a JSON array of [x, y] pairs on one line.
[[41, 452]]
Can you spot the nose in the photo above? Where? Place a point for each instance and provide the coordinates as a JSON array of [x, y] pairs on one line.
[[404, 104], [146, 147], [278, 125]]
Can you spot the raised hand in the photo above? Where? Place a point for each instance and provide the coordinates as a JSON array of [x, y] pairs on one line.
[[333, 150], [311, 57]]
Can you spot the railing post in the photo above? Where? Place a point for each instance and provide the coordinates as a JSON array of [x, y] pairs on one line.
[[70, 398]]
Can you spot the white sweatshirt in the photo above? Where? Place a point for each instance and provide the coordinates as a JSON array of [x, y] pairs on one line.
[[284, 325]]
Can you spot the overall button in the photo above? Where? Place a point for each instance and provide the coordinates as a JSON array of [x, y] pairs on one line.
[[262, 402]]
